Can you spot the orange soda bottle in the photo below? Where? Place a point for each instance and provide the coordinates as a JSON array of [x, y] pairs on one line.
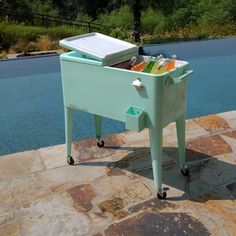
[[140, 66], [171, 63]]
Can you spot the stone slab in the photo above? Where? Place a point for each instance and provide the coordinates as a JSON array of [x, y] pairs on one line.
[[20, 164], [208, 174], [229, 117], [22, 191], [150, 223], [212, 123], [53, 215], [12, 229], [192, 130], [133, 193], [76, 174], [6, 215], [210, 145], [134, 137], [53, 156], [105, 185], [230, 139], [215, 208], [82, 195], [88, 150]]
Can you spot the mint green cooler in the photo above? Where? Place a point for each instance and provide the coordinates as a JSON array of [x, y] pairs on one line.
[[93, 84]]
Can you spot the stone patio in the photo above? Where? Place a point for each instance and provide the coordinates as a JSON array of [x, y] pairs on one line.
[[109, 191]]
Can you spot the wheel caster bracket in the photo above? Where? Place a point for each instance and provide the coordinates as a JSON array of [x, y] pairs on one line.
[[70, 160], [161, 194], [185, 170], [100, 142]]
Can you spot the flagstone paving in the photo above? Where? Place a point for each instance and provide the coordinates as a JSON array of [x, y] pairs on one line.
[[110, 191]]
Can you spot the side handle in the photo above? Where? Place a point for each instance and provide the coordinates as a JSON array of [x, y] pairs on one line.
[[177, 80]]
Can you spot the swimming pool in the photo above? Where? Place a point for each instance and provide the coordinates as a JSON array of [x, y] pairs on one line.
[[31, 102]]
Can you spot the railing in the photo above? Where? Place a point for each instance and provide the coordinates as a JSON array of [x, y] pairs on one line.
[[48, 21]]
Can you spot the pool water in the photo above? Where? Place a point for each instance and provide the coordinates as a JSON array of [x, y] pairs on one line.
[[31, 102]]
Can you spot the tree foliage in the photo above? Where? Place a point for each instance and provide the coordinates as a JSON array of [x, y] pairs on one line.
[[155, 15]]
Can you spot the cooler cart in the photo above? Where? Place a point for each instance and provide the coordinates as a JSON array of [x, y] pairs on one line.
[[95, 80]]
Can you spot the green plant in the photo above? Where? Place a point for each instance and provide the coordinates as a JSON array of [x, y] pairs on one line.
[[121, 18], [44, 42], [121, 34], [20, 46], [3, 54], [154, 21], [10, 34], [31, 47]]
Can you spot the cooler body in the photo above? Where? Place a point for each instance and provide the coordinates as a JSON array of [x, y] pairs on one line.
[[141, 100], [108, 91]]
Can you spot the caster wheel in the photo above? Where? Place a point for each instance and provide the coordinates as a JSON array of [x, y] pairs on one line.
[[162, 195], [100, 143], [70, 160], [185, 171]]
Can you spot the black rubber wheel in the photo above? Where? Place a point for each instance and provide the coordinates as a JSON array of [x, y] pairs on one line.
[[162, 196], [100, 143], [185, 172], [70, 160]]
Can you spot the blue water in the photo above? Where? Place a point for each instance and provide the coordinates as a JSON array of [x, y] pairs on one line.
[[31, 103]]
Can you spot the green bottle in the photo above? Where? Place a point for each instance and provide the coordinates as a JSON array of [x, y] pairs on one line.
[[148, 67]]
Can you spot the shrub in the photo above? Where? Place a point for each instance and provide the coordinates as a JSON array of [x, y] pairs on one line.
[[181, 17], [121, 18], [44, 42], [154, 21], [20, 46], [3, 55], [31, 47], [121, 34], [64, 31], [11, 34]]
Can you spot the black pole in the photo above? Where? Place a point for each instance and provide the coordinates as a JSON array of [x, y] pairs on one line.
[[136, 8], [89, 27]]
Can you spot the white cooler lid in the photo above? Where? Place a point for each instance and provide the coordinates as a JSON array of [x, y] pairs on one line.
[[101, 47]]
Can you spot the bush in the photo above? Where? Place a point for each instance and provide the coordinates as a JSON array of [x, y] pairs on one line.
[[3, 55], [11, 34], [181, 17], [31, 47], [121, 34], [154, 21], [44, 42], [20, 46], [121, 18], [216, 12]]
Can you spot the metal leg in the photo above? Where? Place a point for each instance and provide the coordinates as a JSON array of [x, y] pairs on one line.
[[98, 128], [68, 132], [180, 126], [156, 154]]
